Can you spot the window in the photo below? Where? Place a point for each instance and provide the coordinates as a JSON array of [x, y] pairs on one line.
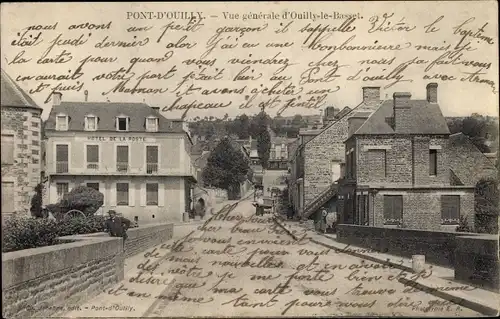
[[62, 189], [152, 124], [377, 161], [92, 156], [122, 123], [91, 123], [393, 209], [93, 185], [7, 149], [433, 162], [122, 158], [450, 209], [7, 197], [62, 158], [122, 194], [151, 159], [62, 122], [152, 194]]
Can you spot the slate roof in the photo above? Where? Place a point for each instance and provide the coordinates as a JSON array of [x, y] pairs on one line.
[[106, 113], [12, 95], [466, 161], [426, 118]]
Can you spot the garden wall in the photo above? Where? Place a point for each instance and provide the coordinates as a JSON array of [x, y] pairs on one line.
[[39, 281]]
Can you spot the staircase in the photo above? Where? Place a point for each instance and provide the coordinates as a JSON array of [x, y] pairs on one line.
[[320, 200]]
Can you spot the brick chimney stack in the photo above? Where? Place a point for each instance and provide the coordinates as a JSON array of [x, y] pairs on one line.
[[402, 109], [432, 92], [56, 98], [371, 94]]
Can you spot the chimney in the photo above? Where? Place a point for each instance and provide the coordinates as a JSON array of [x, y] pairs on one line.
[[371, 94], [86, 95], [56, 98], [402, 111], [432, 92]]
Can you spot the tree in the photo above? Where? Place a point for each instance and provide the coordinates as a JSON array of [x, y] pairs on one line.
[[486, 197], [36, 201], [298, 121], [475, 127], [263, 138], [241, 126], [226, 166]]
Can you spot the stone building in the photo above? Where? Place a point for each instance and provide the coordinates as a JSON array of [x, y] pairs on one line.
[[139, 160], [21, 134], [399, 168], [317, 162]]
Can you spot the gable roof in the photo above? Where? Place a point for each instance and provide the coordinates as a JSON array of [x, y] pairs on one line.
[[12, 95], [360, 107], [106, 113], [467, 162], [426, 118]]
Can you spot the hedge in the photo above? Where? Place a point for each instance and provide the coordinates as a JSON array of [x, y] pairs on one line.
[[25, 232]]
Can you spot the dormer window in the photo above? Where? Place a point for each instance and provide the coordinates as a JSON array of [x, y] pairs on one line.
[[122, 123], [91, 123], [152, 124], [61, 122]]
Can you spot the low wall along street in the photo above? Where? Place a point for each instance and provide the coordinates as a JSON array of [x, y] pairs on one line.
[[473, 256], [38, 282]]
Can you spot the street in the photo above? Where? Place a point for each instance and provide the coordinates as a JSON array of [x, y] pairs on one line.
[[241, 265]]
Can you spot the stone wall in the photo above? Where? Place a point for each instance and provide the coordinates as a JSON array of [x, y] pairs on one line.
[[39, 281], [422, 208], [407, 161], [319, 153], [24, 125], [438, 247], [477, 260]]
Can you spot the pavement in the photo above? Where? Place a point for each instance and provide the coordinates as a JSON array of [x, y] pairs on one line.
[[242, 265], [483, 301]]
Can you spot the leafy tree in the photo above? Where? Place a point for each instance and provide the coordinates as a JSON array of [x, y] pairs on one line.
[[36, 201], [226, 166], [263, 138], [241, 126], [298, 121], [475, 127], [486, 197]]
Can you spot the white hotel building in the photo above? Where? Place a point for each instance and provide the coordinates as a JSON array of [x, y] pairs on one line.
[[139, 160]]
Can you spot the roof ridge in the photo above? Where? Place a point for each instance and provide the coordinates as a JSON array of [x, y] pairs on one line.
[[335, 122], [369, 117]]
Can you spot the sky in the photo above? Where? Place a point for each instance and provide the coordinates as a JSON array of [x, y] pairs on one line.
[[456, 98]]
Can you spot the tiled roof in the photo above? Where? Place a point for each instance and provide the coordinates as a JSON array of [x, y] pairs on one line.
[[12, 94], [426, 118], [467, 162], [107, 113]]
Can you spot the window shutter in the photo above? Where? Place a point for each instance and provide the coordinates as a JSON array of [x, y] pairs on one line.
[[398, 207], [112, 193], [143, 195], [131, 194], [161, 195]]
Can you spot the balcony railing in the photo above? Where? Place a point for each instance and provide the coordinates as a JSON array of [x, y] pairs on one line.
[[151, 168], [61, 167], [122, 166], [93, 166]]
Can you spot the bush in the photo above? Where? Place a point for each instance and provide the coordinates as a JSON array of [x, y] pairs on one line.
[[463, 225], [36, 202], [486, 196], [25, 232], [79, 225], [83, 198]]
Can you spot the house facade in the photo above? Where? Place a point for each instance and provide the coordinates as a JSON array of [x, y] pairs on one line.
[[319, 159], [21, 147], [398, 168], [139, 160]]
